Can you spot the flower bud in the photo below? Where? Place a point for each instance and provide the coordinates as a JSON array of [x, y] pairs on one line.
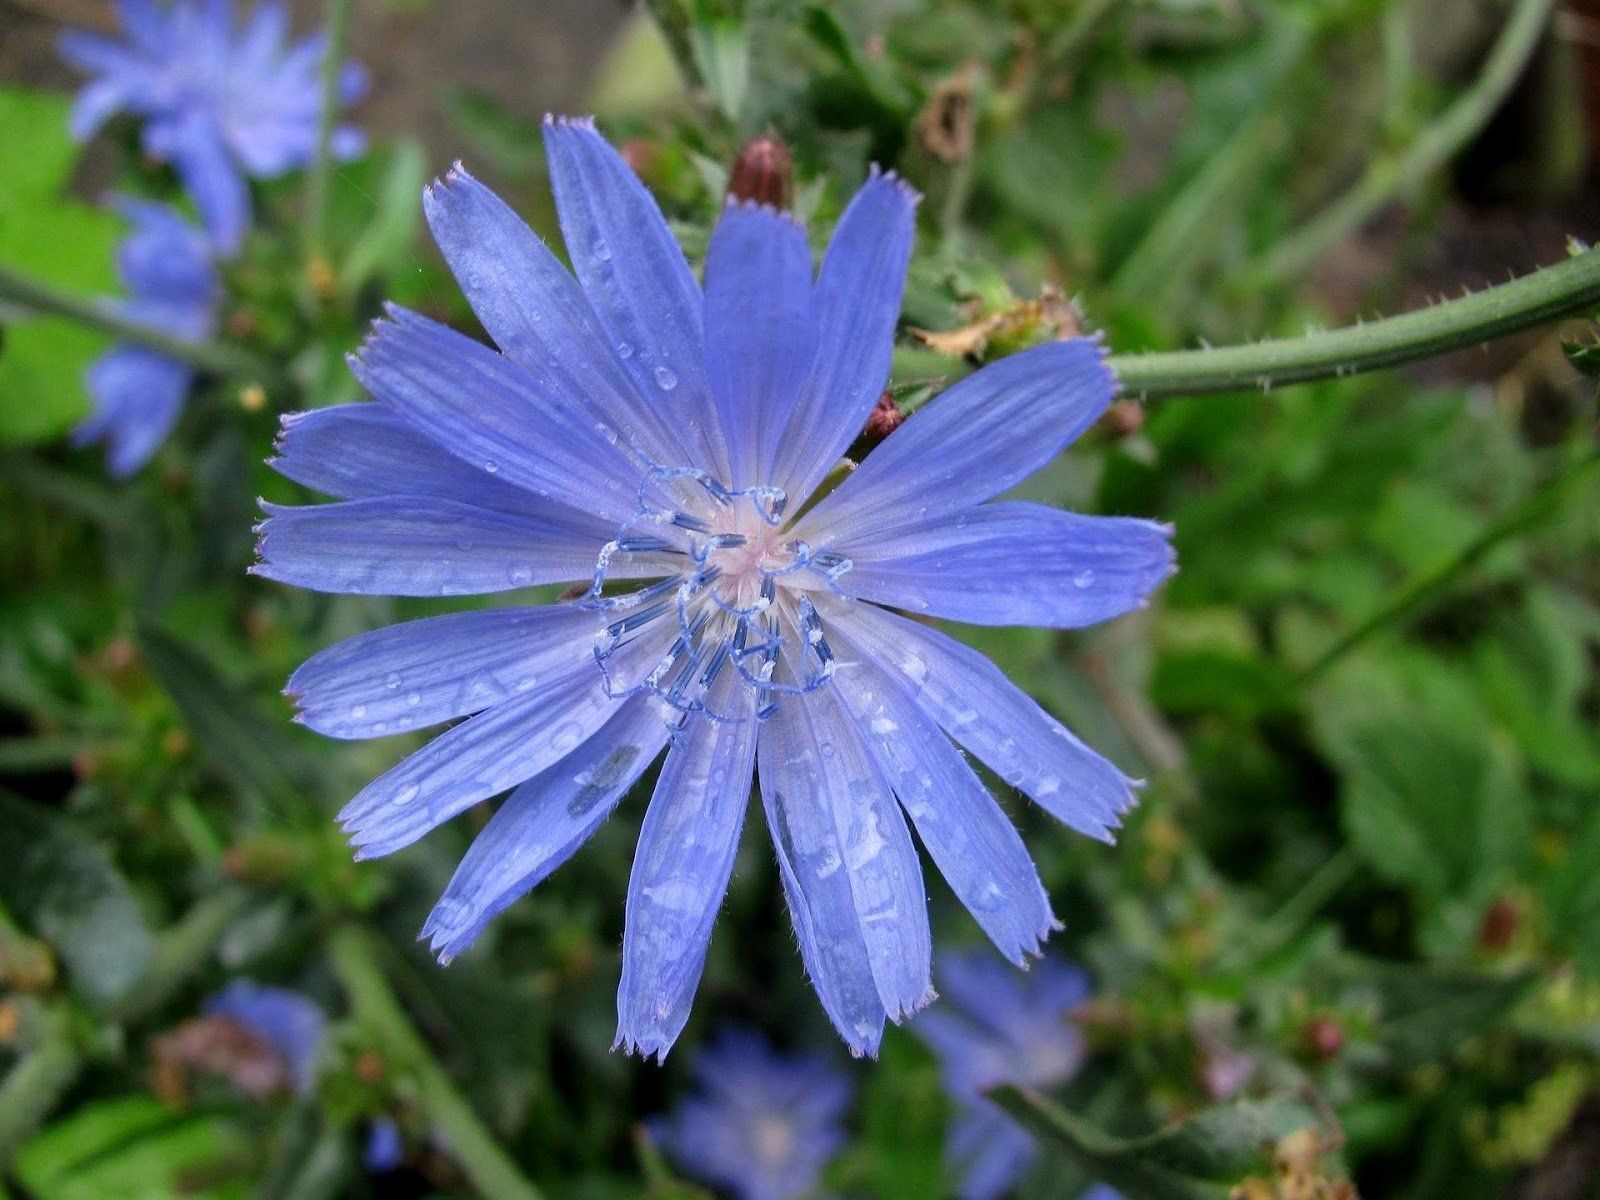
[[763, 172]]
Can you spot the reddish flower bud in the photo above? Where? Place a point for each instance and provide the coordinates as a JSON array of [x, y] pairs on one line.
[[885, 418], [1499, 925], [1322, 1037], [763, 172], [638, 154]]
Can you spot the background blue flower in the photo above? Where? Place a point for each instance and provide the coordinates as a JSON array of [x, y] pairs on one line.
[[634, 428], [219, 100], [166, 265], [997, 1026], [290, 1022], [762, 1124]]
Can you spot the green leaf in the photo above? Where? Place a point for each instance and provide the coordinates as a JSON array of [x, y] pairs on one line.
[[1429, 1011], [67, 890], [720, 42], [246, 745], [132, 1149], [1572, 898], [1198, 1159], [42, 361], [389, 238]]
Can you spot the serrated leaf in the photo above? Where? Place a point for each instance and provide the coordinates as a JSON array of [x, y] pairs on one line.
[[67, 890]]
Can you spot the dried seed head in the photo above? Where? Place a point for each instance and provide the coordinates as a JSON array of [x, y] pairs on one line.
[[763, 172]]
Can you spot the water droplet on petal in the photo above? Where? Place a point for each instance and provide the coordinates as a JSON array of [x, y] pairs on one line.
[[521, 576], [667, 378], [358, 711], [413, 700], [406, 794], [392, 682], [601, 250], [1083, 579], [624, 350], [491, 466]]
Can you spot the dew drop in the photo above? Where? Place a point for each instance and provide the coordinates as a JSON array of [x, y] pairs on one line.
[[624, 350], [521, 576], [406, 794], [666, 378], [1083, 579], [491, 466], [601, 250], [393, 681], [414, 699], [358, 712]]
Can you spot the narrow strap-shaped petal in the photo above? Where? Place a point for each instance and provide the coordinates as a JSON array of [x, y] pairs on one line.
[[761, 337], [1014, 563], [95, 105], [857, 304], [972, 442], [975, 847], [864, 837], [543, 823], [147, 23], [359, 451], [817, 890], [213, 179], [534, 309], [138, 396], [681, 869], [418, 546], [636, 279], [991, 1152], [995, 720], [503, 418], [419, 673], [479, 758]]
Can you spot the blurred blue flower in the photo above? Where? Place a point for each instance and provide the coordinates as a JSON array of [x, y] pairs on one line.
[[999, 1026], [763, 1124], [166, 265], [288, 1021], [219, 101], [633, 427]]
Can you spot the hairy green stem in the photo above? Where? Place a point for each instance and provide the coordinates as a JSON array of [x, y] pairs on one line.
[[45, 299], [319, 193], [1433, 149], [378, 1011], [1417, 591], [1563, 290]]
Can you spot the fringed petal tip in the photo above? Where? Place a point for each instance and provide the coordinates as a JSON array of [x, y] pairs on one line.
[[912, 1009], [561, 120], [763, 208], [457, 173], [895, 180]]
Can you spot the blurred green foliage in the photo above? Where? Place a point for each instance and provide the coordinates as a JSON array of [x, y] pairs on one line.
[[1362, 889]]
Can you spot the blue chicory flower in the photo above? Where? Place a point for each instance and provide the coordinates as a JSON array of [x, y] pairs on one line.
[[288, 1021], [219, 100], [166, 265], [763, 1124], [633, 427], [997, 1027]]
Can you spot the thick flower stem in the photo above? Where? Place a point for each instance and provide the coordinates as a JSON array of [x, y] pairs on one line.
[[34, 1086], [219, 358], [319, 191], [1422, 588], [379, 1012], [1433, 149], [1564, 290]]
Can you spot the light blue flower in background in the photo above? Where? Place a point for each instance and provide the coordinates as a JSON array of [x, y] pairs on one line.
[[219, 100], [763, 1124], [666, 444], [999, 1026], [165, 264], [288, 1021]]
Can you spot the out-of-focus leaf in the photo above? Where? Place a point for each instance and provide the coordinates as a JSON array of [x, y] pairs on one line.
[[512, 144], [245, 744], [720, 41], [1197, 1159], [638, 74], [67, 890], [42, 361], [390, 237], [1572, 898], [1429, 1011], [133, 1149]]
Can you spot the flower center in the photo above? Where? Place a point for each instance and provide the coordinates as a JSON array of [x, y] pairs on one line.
[[729, 606]]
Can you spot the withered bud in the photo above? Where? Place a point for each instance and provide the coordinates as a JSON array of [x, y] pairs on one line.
[[639, 154], [217, 1047], [885, 418], [947, 123], [1322, 1037], [1124, 418], [763, 172], [1499, 924]]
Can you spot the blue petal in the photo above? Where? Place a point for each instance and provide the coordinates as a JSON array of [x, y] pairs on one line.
[[289, 1021], [637, 280], [681, 868], [147, 23], [543, 824], [97, 54], [418, 546], [386, 1147], [419, 673], [167, 261], [975, 847], [1013, 563], [218, 187], [534, 309], [857, 304], [761, 337], [972, 442], [527, 427], [96, 104], [990, 1151], [359, 451], [996, 721], [479, 758], [138, 395]]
